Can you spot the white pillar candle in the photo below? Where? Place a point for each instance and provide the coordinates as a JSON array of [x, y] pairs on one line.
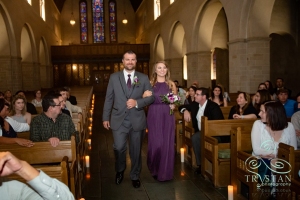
[[230, 192], [89, 141], [87, 161], [182, 154], [90, 128]]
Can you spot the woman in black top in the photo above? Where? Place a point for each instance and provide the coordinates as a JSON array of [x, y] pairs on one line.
[[243, 108]]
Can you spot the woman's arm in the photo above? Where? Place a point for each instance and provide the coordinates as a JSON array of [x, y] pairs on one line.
[[225, 102], [249, 116], [19, 141], [17, 126], [28, 117]]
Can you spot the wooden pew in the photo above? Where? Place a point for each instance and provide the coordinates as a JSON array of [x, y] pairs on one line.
[[24, 135], [241, 149], [212, 166], [225, 111], [39, 110], [178, 130], [189, 154], [45, 157]]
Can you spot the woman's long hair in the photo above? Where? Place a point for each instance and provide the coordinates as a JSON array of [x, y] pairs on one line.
[[270, 89], [189, 98], [153, 78], [264, 97], [2, 104], [13, 106], [275, 115], [248, 99], [221, 97]]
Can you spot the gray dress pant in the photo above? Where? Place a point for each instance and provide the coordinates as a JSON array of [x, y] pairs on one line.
[[135, 139]]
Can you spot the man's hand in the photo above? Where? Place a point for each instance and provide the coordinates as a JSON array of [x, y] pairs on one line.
[[54, 141], [297, 133], [9, 164], [187, 116], [131, 103], [106, 125]]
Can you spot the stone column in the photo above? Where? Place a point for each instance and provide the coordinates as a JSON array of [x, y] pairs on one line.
[[249, 64], [198, 68], [176, 69]]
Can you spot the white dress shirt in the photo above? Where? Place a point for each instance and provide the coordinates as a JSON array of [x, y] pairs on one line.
[[200, 114], [126, 75]]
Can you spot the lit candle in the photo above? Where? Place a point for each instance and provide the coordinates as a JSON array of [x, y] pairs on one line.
[[87, 161], [89, 141], [182, 154], [90, 132], [91, 111], [91, 119], [230, 192], [90, 128]]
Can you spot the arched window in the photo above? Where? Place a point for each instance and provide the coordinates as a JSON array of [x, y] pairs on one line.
[[98, 21], [42, 9], [83, 22], [172, 1], [156, 9], [112, 21], [29, 1]]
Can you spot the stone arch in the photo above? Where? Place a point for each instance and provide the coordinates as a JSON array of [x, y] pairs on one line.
[[159, 49], [44, 63], [8, 52], [176, 51], [29, 62]]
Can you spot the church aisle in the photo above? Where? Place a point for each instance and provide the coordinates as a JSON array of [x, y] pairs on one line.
[[100, 183]]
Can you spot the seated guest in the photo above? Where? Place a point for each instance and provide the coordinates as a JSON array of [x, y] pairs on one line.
[[68, 106], [260, 97], [280, 85], [225, 94], [261, 86], [43, 186], [51, 125], [243, 108], [70, 98], [1, 95], [268, 132], [289, 104], [271, 89], [30, 107], [191, 95], [18, 110], [9, 127], [217, 96], [37, 101], [296, 122], [297, 104], [202, 106], [8, 96]]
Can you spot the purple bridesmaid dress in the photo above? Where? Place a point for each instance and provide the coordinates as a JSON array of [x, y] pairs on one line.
[[161, 136]]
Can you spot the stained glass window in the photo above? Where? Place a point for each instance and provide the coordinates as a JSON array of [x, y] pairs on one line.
[[112, 21], [83, 22], [98, 21]]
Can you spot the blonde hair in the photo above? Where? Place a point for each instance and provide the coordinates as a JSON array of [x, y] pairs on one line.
[[153, 78], [13, 108]]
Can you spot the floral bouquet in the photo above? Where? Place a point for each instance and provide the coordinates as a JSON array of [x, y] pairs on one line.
[[170, 98]]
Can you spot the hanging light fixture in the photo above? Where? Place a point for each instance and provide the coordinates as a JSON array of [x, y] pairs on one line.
[[72, 21], [124, 21]]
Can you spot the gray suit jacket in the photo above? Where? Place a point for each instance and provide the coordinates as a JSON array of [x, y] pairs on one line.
[[117, 95]]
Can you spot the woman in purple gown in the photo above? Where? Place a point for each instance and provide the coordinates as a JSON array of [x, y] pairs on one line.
[[161, 126]]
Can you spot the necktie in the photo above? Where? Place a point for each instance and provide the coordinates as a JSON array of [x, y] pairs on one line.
[[129, 81]]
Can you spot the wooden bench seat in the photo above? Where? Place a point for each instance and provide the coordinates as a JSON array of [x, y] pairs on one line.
[[226, 111], [241, 150], [212, 166], [45, 157]]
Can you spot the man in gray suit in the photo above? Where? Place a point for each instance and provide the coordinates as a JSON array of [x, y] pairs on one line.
[[124, 106]]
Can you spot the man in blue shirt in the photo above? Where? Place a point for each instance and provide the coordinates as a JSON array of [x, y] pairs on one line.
[[289, 104]]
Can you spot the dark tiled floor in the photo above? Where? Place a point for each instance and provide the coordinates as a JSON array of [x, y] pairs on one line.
[[100, 182]]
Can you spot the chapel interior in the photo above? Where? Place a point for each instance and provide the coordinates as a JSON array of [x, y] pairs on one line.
[[54, 43]]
